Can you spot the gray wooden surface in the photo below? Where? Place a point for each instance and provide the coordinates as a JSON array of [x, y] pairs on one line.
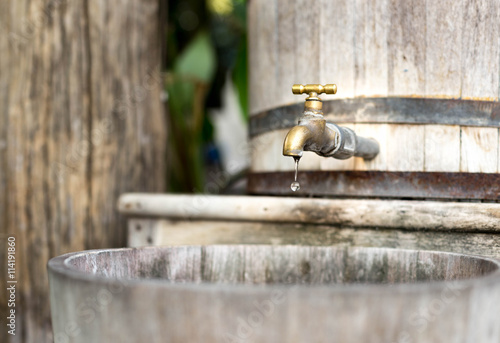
[[373, 48], [274, 294], [80, 120], [364, 213]]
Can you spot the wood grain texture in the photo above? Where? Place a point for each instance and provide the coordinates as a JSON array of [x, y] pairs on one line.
[[479, 150], [480, 49], [442, 148], [307, 42], [287, 36], [82, 121], [444, 49], [277, 293], [440, 49], [389, 214], [264, 24], [370, 44], [443, 69], [164, 231], [406, 150], [406, 47], [336, 49]]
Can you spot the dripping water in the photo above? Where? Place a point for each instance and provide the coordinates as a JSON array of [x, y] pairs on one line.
[[295, 186]]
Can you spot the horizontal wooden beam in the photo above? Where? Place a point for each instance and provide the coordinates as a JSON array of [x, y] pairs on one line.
[[391, 214]]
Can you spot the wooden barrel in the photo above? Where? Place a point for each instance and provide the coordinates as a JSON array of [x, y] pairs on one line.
[[264, 293], [422, 78]]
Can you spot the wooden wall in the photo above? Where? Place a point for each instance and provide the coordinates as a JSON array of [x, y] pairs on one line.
[[400, 48], [80, 123]]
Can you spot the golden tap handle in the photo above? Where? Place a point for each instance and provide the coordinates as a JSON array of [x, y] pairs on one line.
[[318, 89]]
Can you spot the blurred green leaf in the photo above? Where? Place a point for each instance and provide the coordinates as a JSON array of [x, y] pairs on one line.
[[240, 76], [198, 59]]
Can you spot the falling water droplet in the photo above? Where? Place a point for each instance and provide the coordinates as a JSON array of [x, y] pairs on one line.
[[295, 186]]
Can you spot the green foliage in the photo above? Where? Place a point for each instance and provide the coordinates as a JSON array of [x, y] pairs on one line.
[[197, 61], [199, 58]]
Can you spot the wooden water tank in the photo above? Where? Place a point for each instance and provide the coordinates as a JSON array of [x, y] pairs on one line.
[[269, 294], [421, 77]]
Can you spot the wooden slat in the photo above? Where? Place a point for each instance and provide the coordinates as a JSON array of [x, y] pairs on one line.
[[442, 148], [480, 49], [287, 36], [307, 42], [406, 47], [390, 214], [370, 42], [336, 46], [405, 150], [379, 133], [161, 232], [84, 120], [479, 150], [264, 56], [443, 69]]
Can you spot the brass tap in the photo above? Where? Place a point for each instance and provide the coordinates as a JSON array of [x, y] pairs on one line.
[[313, 133]]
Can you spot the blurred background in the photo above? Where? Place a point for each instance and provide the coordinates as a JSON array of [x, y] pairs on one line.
[[101, 98], [206, 95]]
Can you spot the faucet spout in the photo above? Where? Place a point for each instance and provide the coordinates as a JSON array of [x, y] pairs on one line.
[[312, 134], [325, 139]]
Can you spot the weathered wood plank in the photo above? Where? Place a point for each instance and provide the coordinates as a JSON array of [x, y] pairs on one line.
[[336, 48], [126, 107], [394, 214], [480, 50], [287, 36], [479, 150], [83, 120], [307, 43], [267, 152], [405, 152], [406, 47], [161, 232], [371, 32], [443, 69], [263, 46], [272, 293], [442, 148]]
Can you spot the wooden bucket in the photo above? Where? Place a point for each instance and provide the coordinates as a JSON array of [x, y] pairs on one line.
[[422, 78], [263, 293]]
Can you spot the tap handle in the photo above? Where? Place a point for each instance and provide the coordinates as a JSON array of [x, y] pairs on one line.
[[318, 89]]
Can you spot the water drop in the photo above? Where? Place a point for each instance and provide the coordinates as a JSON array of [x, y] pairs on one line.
[[295, 186]]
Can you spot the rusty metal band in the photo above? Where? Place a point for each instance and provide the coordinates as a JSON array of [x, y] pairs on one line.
[[386, 110], [415, 185]]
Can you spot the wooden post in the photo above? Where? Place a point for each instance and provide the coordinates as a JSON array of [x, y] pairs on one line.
[[81, 122]]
